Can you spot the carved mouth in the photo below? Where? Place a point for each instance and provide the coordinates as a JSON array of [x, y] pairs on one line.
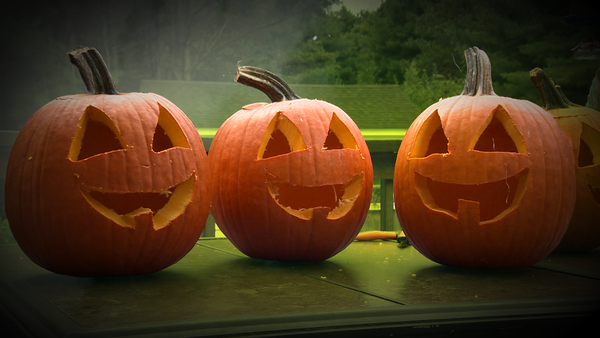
[[123, 207], [300, 201], [490, 200]]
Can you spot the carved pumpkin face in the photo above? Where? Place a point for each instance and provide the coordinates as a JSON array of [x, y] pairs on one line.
[[283, 145], [483, 181], [98, 143], [480, 174], [291, 180], [107, 185], [582, 126]]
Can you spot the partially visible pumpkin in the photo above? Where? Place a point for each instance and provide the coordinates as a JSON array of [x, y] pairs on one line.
[[106, 184], [290, 180], [484, 181], [582, 126]]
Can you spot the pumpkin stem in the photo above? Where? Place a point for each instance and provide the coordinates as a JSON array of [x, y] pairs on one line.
[[552, 95], [564, 97], [93, 70], [479, 73], [272, 85]]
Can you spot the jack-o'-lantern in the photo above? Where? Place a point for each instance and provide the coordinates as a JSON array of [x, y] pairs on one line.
[[106, 184], [484, 181], [582, 126], [290, 180]]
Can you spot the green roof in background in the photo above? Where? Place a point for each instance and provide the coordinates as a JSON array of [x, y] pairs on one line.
[[209, 104]]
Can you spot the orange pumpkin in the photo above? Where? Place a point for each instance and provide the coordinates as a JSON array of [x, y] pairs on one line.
[[483, 181], [106, 184], [290, 180], [582, 126]]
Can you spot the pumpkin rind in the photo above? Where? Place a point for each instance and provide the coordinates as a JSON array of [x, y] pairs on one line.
[[582, 126], [533, 177], [244, 201], [62, 231]]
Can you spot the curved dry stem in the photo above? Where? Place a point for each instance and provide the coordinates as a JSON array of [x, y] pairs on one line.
[[552, 95], [93, 70], [272, 85]]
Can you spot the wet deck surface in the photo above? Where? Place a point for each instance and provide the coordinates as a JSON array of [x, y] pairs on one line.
[[215, 289]]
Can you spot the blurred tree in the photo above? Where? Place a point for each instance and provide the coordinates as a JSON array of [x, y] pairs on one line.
[[310, 63], [419, 41], [327, 53], [159, 39], [425, 89], [423, 41], [392, 43], [194, 40], [518, 36]]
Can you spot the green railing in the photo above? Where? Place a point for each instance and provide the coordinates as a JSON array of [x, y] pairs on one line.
[[378, 140]]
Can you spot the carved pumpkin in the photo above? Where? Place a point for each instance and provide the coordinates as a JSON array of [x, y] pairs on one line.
[[582, 126], [106, 184], [290, 180], [483, 181]]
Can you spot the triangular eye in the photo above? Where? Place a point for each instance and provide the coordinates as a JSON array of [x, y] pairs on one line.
[[96, 134], [430, 138], [589, 146], [281, 137], [332, 141], [339, 136], [499, 133], [168, 133]]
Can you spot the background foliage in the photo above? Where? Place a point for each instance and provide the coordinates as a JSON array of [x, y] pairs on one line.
[[416, 44], [419, 45]]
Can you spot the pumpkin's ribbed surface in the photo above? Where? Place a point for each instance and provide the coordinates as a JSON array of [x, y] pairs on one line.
[[244, 207], [584, 230], [582, 126], [54, 196], [496, 191]]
